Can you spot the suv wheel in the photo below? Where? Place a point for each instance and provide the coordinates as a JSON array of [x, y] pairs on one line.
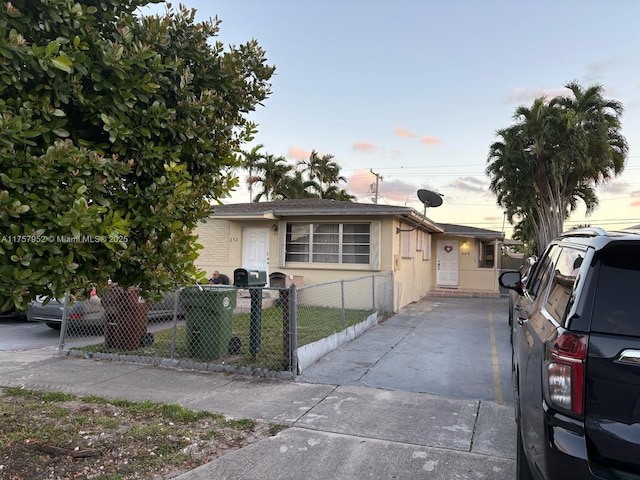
[[523, 472]]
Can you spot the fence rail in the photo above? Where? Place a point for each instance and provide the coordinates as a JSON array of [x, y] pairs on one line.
[[255, 330]]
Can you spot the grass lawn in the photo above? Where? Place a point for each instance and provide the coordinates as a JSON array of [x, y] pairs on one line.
[[266, 350]]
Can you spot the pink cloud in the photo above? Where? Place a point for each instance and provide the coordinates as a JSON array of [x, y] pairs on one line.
[[360, 181], [425, 140], [364, 147], [635, 203], [398, 191], [362, 184], [296, 153], [430, 140], [403, 132], [469, 184]]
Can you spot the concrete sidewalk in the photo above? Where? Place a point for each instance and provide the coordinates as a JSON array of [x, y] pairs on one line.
[[337, 431]]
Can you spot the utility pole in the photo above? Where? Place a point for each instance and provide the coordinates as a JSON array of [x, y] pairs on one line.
[[378, 179]]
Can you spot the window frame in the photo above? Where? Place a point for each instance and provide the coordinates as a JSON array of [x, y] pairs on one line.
[[313, 248]]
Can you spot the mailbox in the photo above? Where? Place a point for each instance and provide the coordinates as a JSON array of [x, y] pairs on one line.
[[249, 278]]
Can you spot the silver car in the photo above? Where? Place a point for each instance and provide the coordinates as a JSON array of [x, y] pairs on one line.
[[89, 314], [82, 313]]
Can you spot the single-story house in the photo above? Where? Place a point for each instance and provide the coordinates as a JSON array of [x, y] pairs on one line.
[[317, 241]]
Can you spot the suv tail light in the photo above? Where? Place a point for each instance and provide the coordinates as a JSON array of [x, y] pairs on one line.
[[565, 372]]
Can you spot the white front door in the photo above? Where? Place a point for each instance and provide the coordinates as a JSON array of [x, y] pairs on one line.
[[255, 249], [447, 266]]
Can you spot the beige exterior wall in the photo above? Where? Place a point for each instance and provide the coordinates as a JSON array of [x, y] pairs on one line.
[[470, 276], [412, 273], [222, 250]]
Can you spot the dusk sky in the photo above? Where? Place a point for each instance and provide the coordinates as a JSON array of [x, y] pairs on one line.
[[414, 90]]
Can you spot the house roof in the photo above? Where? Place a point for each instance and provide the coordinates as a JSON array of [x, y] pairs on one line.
[[310, 207], [473, 232]]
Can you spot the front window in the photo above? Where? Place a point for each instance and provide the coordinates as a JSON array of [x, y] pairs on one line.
[[329, 243], [487, 259]]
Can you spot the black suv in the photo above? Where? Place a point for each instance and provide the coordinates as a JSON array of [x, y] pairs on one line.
[[576, 358]]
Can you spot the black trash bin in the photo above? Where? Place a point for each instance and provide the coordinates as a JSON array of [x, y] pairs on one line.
[[208, 313]]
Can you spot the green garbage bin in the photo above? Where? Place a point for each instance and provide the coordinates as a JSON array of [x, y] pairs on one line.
[[209, 316]]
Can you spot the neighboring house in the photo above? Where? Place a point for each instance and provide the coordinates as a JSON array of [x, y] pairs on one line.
[[317, 241], [467, 261]]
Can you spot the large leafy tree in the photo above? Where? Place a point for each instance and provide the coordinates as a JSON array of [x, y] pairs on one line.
[[117, 131], [554, 156]]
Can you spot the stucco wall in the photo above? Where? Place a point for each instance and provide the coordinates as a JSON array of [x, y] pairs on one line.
[[412, 276], [222, 250], [470, 276]]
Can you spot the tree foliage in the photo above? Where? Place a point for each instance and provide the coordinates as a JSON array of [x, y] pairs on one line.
[[317, 177], [555, 155], [117, 131]]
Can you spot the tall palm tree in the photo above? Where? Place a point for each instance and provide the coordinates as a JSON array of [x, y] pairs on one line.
[[323, 171], [555, 155], [251, 159], [271, 172], [335, 193], [295, 185]]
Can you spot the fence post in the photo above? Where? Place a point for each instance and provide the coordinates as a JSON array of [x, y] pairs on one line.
[[65, 323], [344, 312], [255, 328], [283, 301], [293, 327], [174, 333], [373, 293]]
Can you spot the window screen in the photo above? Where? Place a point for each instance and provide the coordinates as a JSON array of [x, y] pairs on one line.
[[343, 243]]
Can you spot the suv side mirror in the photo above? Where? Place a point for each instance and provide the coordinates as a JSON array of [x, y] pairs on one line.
[[512, 281]]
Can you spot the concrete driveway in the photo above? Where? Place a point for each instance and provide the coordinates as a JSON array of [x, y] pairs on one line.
[[453, 347]]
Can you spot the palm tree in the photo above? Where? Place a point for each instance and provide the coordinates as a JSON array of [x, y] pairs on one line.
[[251, 159], [555, 155], [335, 193], [271, 172], [323, 171], [295, 185]]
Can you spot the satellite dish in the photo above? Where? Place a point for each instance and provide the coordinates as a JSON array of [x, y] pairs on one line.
[[429, 198]]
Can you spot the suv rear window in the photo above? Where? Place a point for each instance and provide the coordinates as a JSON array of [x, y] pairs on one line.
[[615, 309]]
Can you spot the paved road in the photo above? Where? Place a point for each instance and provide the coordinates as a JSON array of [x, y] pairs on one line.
[[18, 334]]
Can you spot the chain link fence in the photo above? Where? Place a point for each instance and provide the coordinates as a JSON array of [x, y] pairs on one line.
[[255, 330]]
